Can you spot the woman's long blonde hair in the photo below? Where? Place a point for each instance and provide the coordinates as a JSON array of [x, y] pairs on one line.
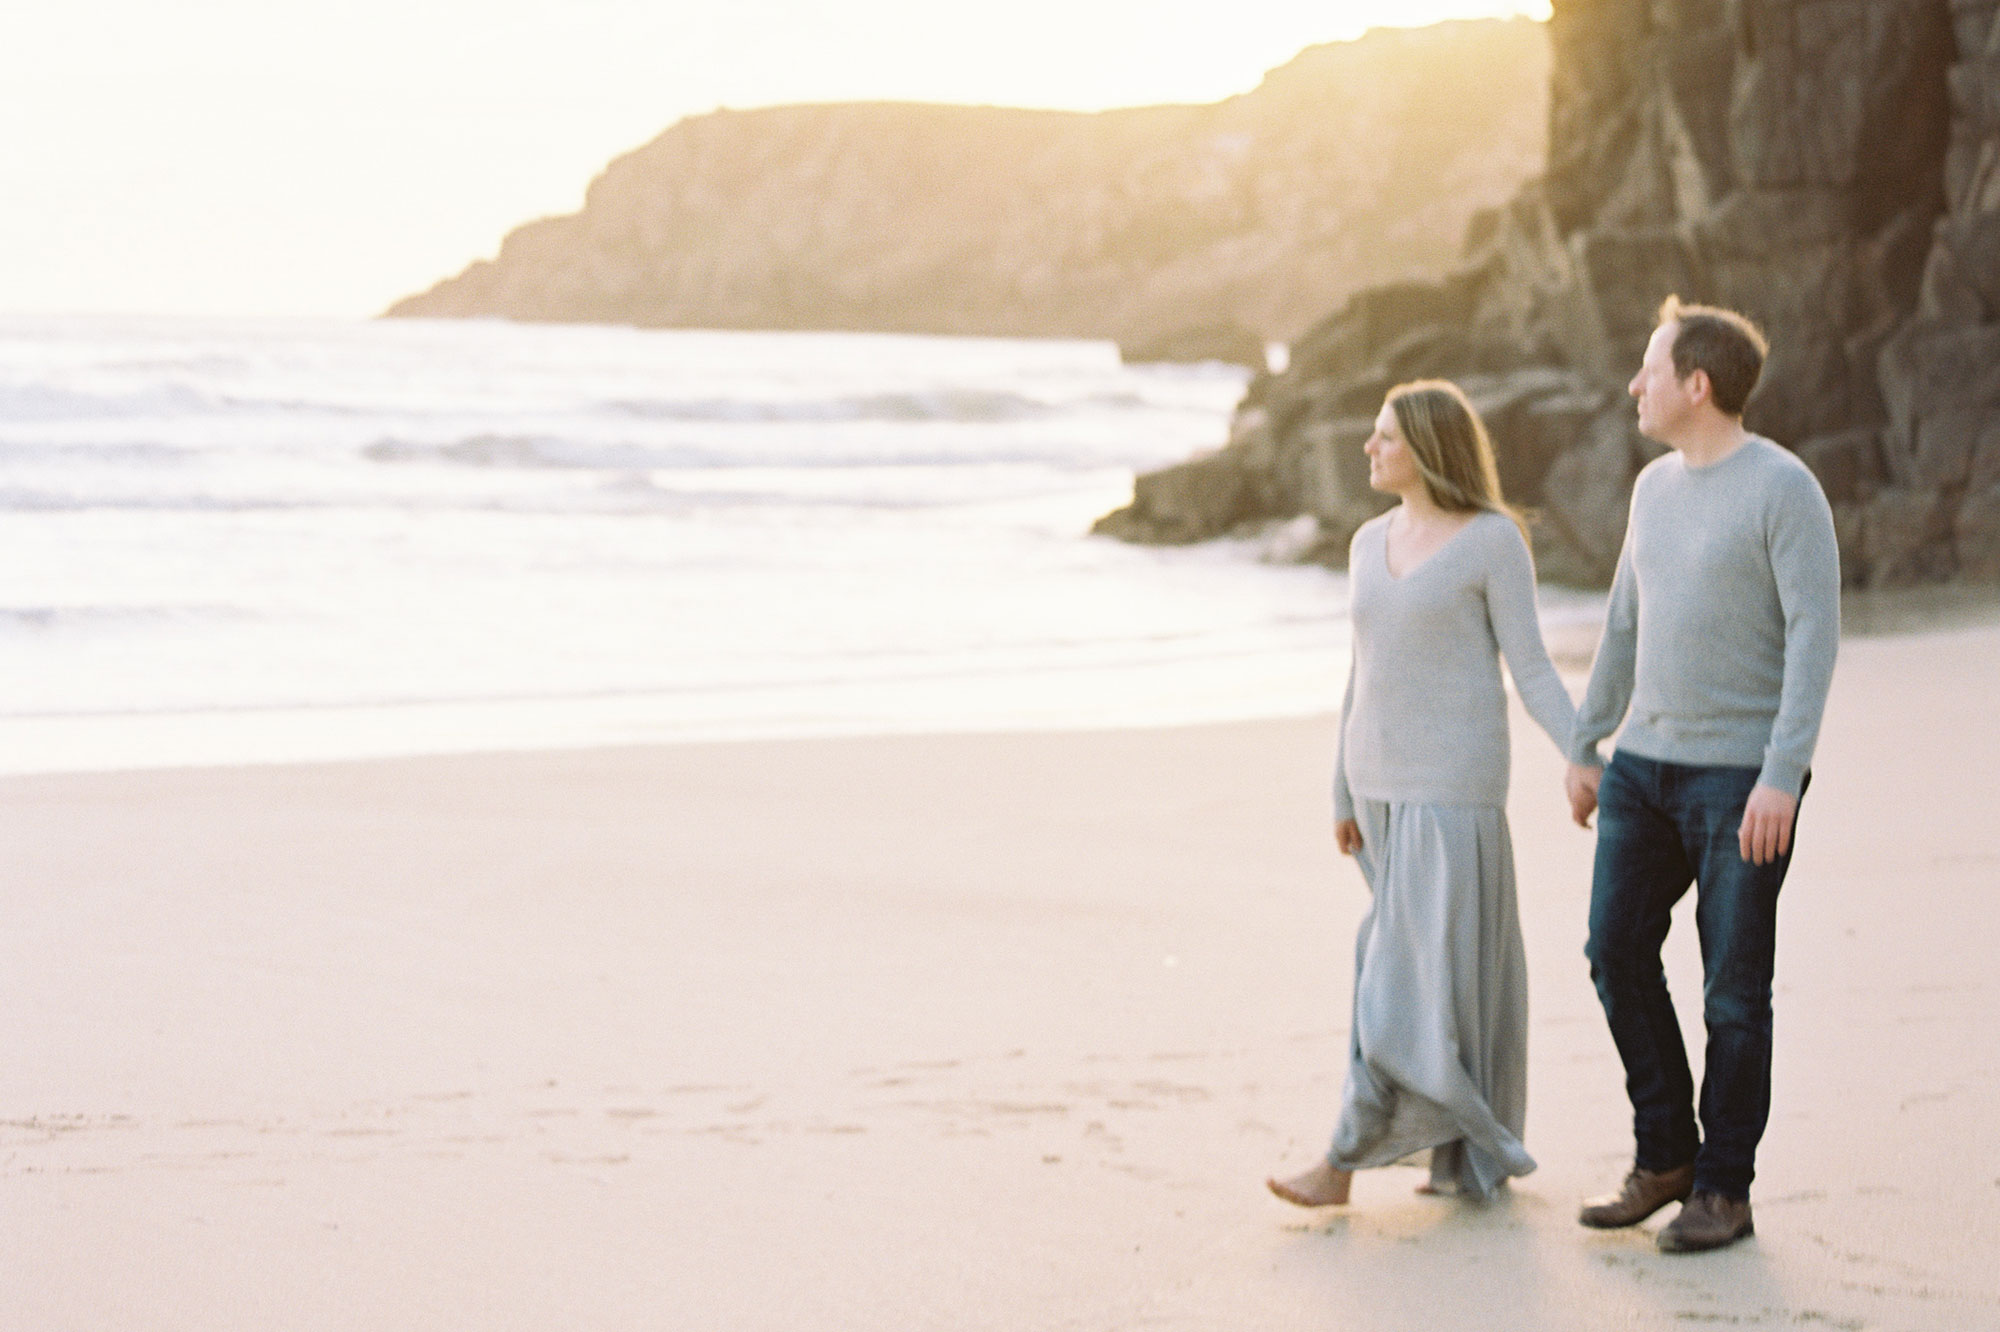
[[1450, 446]]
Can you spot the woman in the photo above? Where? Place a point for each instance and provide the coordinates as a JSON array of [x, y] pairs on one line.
[[1442, 586]]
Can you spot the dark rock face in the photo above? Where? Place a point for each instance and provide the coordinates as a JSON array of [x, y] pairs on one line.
[[1355, 163], [1940, 370], [1829, 167]]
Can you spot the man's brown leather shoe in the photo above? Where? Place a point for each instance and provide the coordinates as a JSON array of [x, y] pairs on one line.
[[1645, 1192], [1707, 1221]]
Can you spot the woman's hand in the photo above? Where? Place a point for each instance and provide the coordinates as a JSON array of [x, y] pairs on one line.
[[1347, 836], [1580, 784]]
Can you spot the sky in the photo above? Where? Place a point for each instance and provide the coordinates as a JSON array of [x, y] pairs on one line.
[[267, 157]]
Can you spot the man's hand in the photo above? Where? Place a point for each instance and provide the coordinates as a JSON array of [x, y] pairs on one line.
[[1766, 833], [1347, 836], [1580, 785]]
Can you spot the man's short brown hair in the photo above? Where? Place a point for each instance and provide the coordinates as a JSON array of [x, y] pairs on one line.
[[1724, 345]]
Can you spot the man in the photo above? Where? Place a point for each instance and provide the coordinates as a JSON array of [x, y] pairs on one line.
[[1719, 642]]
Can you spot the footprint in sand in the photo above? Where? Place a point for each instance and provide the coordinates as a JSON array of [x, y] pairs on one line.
[[1103, 1137], [563, 1158]]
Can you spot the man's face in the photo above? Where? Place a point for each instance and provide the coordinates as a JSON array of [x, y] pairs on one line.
[[1666, 401]]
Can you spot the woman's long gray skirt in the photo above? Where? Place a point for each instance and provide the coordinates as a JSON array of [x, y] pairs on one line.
[[1438, 1053]]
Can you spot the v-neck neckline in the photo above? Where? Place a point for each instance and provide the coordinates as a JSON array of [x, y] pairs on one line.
[[1427, 560]]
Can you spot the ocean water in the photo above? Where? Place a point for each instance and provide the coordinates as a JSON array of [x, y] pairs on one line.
[[261, 541]]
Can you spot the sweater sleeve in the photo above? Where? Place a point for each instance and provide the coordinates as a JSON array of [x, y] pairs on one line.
[[1343, 796], [1517, 627], [1805, 563], [1610, 690]]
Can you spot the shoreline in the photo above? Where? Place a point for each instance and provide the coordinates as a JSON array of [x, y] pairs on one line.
[[219, 738]]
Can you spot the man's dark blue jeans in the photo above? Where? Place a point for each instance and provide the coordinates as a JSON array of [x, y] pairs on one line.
[[1660, 827]]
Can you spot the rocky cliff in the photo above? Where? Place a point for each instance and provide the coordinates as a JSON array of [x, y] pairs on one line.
[[1831, 167], [1230, 223]]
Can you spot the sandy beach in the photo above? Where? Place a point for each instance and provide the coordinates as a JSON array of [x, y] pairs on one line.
[[957, 1032]]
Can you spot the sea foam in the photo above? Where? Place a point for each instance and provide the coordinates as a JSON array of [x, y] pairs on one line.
[[230, 542]]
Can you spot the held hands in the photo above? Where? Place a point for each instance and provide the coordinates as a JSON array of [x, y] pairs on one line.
[[1580, 785], [1347, 836], [1766, 833]]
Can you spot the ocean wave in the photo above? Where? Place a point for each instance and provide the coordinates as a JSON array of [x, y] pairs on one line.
[[46, 402], [635, 492], [54, 619], [92, 451], [210, 363], [33, 402], [300, 406], [548, 451], [961, 405], [853, 670], [630, 493], [45, 501], [491, 450]]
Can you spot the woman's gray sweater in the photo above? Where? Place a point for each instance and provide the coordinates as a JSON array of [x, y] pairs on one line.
[[1426, 714]]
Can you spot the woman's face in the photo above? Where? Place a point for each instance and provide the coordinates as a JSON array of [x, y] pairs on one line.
[[1391, 469]]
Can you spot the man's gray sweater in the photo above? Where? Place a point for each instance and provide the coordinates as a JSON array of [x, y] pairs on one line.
[[1724, 618]]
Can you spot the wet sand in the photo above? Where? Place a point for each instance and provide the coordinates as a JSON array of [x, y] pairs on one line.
[[951, 1032]]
